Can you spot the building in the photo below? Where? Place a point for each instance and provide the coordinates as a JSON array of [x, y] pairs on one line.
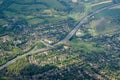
[[5, 38]]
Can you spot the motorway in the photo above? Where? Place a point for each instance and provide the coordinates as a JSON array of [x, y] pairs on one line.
[[84, 20]]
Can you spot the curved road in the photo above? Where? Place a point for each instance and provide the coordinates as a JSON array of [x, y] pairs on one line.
[[64, 40], [84, 20]]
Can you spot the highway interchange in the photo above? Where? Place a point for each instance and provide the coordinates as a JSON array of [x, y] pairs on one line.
[[84, 20]]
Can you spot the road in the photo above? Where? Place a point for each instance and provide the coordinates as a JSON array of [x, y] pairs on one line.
[[84, 20], [46, 44]]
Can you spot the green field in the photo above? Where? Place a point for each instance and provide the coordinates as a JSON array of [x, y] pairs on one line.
[[105, 22]]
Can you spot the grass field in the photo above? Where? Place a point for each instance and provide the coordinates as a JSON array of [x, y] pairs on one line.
[[86, 47], [105, 22], [2, 22], [52, 4]]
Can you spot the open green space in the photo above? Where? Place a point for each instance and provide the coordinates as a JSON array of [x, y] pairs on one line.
[[106, 22]]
